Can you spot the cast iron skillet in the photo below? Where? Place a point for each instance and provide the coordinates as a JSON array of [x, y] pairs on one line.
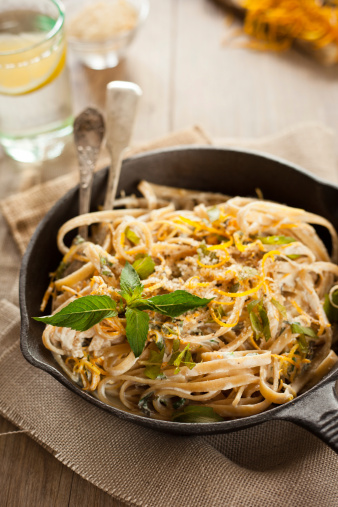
[[232, 172]]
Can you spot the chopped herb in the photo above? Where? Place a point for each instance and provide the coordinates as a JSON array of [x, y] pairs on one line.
[[143, 404], [179, 403], [105, 265], [159, 340], [259, 323], [204, 252], [276, 240], [308, 331], [132, 236], [265, 322], [234, 288], [144, 266], [213, 214], [256, 325], [330, 310], [105, 262], [181, 358], [61, 269], [168, 330], [197, 414], [153, 371], [303, 344], [280, 307], [253, 304], [78, 240]]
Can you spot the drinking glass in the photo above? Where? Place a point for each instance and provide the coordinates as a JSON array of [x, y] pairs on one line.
[[35, 96]]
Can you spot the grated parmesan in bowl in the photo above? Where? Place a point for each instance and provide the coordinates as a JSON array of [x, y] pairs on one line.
[[99, 31]]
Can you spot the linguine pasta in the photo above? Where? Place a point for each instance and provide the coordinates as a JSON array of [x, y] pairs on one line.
[[262, 339]]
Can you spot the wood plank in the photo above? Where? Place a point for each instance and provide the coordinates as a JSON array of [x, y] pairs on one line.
[[147, 63], [240, 92], [29, 474]]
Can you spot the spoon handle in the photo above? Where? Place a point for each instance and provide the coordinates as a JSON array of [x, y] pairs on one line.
[[121, 103], [87, 157]]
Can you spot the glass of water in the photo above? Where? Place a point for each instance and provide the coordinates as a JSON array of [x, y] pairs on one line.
[[35, 96]]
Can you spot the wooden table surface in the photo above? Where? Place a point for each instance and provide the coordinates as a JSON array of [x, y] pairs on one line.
[[188, 76]]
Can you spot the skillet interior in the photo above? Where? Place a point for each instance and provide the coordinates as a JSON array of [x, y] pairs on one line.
[[232, 172]]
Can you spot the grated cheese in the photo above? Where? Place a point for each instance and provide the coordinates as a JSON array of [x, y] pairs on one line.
[[102, 20]]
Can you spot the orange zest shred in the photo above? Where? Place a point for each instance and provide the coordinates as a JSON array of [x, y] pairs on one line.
[[221, 246], [220, 322], [253, 342], [275, 24], [223, 302], [241, 294]]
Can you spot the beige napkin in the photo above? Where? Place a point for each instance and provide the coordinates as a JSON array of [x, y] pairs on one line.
[[273, 464]]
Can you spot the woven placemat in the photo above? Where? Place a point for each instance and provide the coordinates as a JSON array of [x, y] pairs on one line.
[[273, 464]]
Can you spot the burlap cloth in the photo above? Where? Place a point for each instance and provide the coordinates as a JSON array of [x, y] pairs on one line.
[[276, 463]]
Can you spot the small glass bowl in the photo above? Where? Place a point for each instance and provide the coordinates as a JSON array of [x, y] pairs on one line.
[[104, 53]]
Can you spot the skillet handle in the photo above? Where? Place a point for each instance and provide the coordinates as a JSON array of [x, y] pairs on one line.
[[317, 412]]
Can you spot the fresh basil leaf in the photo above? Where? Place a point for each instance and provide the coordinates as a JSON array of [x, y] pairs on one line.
[[213, 214], [197, 414], [83, 313], [132, 236], [130, 281], [144, 266], [137, 329], [265, 323], [276, 240], [176, 303], [308, 331], [330, 310], [280, 307]]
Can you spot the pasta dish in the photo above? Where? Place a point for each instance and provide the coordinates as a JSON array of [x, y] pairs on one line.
[[193, 307]]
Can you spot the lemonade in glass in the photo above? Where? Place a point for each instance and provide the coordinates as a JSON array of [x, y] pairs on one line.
[[35, 97]]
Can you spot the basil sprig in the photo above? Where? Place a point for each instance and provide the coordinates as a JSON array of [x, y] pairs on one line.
[[85, 312]]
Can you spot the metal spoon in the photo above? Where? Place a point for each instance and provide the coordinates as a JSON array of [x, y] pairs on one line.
[[88, 134], [121, 102]]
